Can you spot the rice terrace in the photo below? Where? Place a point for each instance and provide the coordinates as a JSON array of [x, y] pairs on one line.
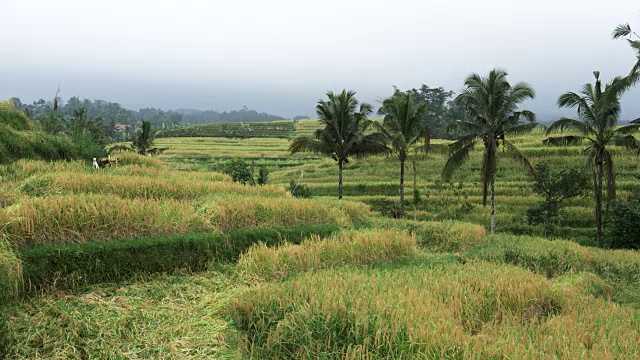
[[430, 224]]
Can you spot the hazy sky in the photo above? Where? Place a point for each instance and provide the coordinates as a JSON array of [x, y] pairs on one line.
[[281, 56]]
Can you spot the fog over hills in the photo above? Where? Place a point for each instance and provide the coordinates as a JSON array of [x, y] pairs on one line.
[[280, 57]]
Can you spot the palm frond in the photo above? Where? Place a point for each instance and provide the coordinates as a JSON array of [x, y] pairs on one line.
[[628, 141], [520, 129], [627, 129], [514, 153], [621, 30], [307, 144], [456, 160], [569, 124]]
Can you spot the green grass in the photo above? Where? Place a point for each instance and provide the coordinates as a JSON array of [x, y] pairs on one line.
[[435, 287], [374, 180]]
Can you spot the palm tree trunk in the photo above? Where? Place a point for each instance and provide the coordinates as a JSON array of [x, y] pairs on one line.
[[339, 179], [598, 198], [401, 187], [427, 139], [493, 204], [415, 215]]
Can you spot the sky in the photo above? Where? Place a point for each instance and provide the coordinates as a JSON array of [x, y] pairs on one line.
[[282, 56]]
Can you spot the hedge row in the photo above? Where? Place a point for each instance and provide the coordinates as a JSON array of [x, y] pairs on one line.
[[67, 266]]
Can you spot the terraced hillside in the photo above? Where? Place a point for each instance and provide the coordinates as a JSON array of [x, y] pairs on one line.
[[272, 129], [374, 180]]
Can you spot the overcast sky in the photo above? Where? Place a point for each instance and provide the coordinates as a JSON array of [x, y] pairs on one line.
[[281, 56]]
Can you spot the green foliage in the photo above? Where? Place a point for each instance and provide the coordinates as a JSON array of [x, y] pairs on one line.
[[69, 266], [401, 128], [15, 119], [10, 271], [598, 108], [277, 129], [555, 186], [299, 190], [491, 105], [263, 176], [238, 169], [34, 144], [143, 138], [441, 113], [344, 133], [623, 225]]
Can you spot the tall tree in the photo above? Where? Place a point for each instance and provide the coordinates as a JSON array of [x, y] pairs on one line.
[[345, 122], [402, 127], [440, 111], [491, 106], [598, 111]]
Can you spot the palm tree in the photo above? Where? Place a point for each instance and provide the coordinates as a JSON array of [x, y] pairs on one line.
[[491, 106], [598, 114], [624, 31], [402, 127], [343, 134]]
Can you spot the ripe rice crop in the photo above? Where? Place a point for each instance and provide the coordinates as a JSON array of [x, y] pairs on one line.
[[345, 248], [448, 236], [159, 187], [471, 311], [235, 211], [10, 270], [78, 218]]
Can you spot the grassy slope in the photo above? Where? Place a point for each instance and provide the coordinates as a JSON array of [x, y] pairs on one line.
[[375, 180]]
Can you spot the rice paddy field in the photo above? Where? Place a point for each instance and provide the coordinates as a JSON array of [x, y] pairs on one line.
[[163, 258]]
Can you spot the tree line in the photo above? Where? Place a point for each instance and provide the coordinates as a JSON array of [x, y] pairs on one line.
[[486, 114]]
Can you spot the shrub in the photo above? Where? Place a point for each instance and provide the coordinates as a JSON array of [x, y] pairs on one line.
[[623, 225], [299, 190], [239, 171], [555, 186]]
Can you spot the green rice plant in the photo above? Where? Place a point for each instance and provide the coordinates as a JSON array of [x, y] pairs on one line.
[[10, 270], [345, 248]]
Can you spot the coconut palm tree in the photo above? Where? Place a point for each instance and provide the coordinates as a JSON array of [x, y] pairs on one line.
[[625, 31], [402, 127], [491, 106], [598, 114], [343, 135]]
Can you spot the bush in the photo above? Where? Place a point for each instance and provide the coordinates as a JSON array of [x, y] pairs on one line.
[[623, 225], [299, 190], [239, 171]]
